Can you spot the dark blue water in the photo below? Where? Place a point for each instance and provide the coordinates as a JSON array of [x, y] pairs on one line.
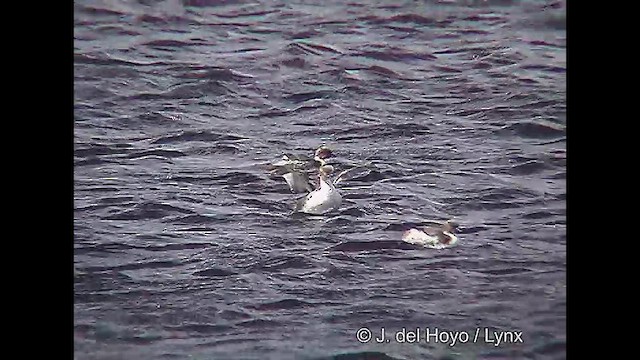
[[185, 248]]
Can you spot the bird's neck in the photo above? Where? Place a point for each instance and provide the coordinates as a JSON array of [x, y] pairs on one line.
[[325, 183], [319, 160], [445, 237]]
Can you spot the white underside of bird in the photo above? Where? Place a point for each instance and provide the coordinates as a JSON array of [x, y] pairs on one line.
[[322, 200], [429, 239]]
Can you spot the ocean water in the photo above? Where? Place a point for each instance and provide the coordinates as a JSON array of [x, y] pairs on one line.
[[186, 248]]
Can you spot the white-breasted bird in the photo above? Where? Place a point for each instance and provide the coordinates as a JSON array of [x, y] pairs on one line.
[[324, 198], [433, 237]]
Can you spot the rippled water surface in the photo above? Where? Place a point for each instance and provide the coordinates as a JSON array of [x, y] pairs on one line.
[[186, 248]]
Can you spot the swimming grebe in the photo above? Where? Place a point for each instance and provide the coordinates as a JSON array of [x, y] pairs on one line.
[[433, 237]]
